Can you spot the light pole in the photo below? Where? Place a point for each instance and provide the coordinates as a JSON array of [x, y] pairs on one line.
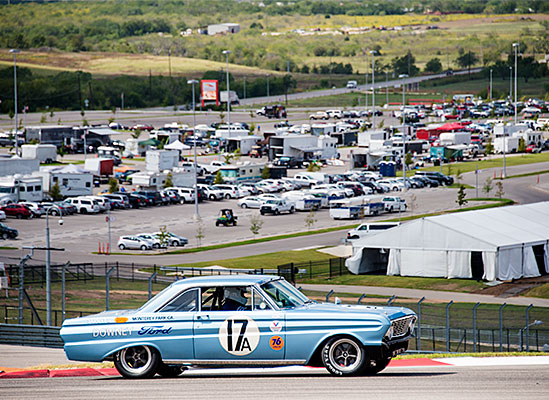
[[403, 76], [227, 52], [268, 93], [516, 45], [14, 52], [490, 85], [510, 83], [387, 88], [48, 261], [193, 82], [373, 52]]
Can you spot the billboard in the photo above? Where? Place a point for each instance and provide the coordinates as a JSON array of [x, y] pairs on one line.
[[209, 90]]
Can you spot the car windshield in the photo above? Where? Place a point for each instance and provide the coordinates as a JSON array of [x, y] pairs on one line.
[[284, 294]]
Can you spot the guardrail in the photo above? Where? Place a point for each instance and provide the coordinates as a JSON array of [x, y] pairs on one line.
[[30, 335]]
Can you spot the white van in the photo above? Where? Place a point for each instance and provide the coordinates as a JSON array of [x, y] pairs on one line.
[[368, 229], [84, 205], [352, 84]]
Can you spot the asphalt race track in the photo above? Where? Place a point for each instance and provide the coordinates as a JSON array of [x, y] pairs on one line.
[[503, 382]]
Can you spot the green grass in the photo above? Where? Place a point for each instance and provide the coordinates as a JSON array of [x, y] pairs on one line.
[[452, 285], [356, 99], [527, 174], [541, 291], [8, 248], [469, 166]]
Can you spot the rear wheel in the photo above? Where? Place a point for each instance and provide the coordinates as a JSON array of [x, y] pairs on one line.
[[4, 235], [276, 212], [137, 362], [227, 196], [19, 216], [243, 205], [83, 211], [143, 247]]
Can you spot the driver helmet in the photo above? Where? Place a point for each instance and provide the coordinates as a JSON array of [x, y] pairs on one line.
[[236, 294]]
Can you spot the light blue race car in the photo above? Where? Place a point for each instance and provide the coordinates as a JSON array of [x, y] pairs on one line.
[[239, 320]]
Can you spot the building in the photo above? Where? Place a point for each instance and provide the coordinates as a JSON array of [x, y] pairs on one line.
[[302, 146], [223, 28], [493, 244]]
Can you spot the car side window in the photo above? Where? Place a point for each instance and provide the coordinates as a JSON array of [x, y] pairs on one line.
[[259, 303], [226, 298], [184, 302]]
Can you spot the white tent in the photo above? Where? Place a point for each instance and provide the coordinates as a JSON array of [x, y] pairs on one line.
[[177, 145], [508, 243]]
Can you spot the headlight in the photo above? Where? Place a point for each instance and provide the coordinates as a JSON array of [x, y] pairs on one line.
[[389, 334]]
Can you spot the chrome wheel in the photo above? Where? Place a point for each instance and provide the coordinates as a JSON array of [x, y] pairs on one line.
[[345, 354], [137, 362]]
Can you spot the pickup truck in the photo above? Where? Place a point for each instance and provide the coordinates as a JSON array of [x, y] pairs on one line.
[[213, 167], [276, 206]]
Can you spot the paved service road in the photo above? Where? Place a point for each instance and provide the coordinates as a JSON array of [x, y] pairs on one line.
[[509, 382]]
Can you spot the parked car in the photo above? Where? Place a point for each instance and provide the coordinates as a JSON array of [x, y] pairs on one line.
[[153, 197], [441, 178], [289, 162], [248, 318], [250, 187], [56, 209], [134, 242], [394, 203], [171, 238], [211, 193], [319, 115], [17, 210], [119, 200], [156, 242], [8, 233], [84, 205], [251, 202], [2, 215], [277, 206], [229, 191], [70, 208], [186, 194], [36, 208]]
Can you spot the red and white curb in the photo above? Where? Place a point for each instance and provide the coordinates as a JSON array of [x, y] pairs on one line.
[[409, 363]]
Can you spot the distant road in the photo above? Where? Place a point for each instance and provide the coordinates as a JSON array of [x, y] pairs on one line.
[[330, 92]]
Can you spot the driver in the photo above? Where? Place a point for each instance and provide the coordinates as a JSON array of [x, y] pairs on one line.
[[234, 299]]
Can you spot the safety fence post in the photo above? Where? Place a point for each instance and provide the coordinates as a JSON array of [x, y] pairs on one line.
[[419, 323], [107, 283], [475, 327], [328, 296], [360, 298], [528, 327], [501, 326], [393, 297], [448, 325], [150, 284]]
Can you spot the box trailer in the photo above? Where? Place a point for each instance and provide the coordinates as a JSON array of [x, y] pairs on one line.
[[99, 166], [45, 153]]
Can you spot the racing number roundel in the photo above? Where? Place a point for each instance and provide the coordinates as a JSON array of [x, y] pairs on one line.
[[239, 335]]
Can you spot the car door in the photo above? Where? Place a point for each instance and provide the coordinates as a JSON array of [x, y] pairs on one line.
[[171, 326], [253, 332]]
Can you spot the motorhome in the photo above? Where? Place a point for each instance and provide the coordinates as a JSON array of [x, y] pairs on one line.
[[240, 173], [20, 188]]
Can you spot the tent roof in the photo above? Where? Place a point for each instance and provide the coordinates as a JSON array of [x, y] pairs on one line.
[[150, 142], [450, 126], [480, 230], [103, 131], [177, 145]]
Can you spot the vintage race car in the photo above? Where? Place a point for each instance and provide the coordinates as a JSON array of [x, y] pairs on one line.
[[243, 320]]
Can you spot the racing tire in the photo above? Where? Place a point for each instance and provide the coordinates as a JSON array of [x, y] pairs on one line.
[[375, 366], [343, 356], [243, 205], [143, 247], [121, 246], [169, 371], [137, 362]]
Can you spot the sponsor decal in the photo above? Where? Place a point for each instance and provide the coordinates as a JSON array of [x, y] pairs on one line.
[[154, 330], [153, 318], [120, 320], [276, 326], [109, 331], [239, 335], [276, 343]]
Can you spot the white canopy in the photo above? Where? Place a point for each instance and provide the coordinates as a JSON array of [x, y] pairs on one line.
[[177, 145], [442, 245]]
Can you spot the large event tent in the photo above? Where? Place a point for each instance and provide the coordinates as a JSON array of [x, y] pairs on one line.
[[493, 244]]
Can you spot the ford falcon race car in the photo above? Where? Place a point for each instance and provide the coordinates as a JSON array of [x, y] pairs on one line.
[[243, 320]]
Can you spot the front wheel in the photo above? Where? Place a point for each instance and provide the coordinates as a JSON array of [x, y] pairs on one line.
[[121, 246], [143, 247], [343, 356], [243, 205], [137, 362], [227, 196]]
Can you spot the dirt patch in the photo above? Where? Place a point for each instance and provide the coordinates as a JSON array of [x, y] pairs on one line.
[[514, 288], [465, 23]]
